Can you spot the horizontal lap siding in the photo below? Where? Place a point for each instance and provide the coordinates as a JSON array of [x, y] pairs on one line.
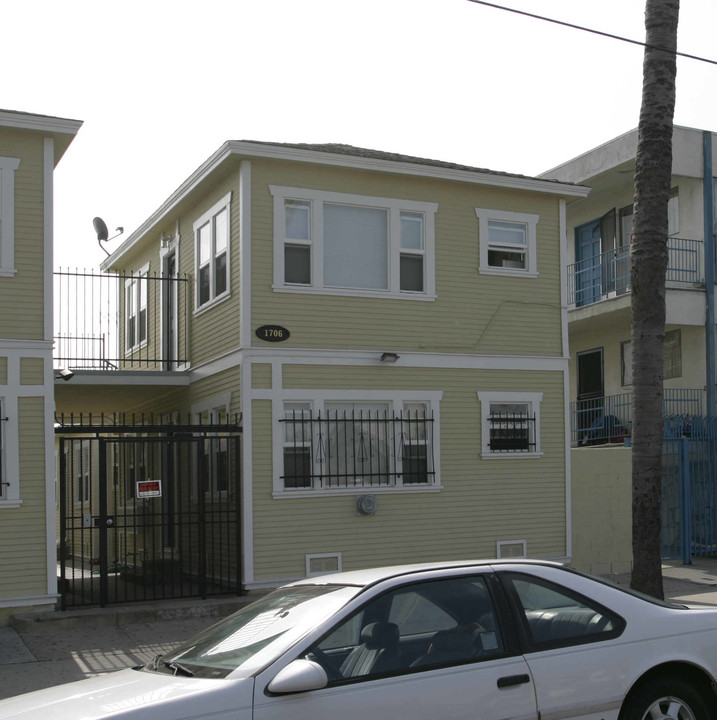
[[22, 530], [26, 289], [473, 313], [214, 386], [215, 330], [483, 501]]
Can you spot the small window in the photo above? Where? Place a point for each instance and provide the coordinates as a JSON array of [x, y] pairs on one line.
[[510, 423], [507, 242], [212, 234], [671, 362], [323, 563], [411, 629], [297, 249], [554, 616], [412, 252], [213, 453], [414, 444], [136, 310], [297, 445]]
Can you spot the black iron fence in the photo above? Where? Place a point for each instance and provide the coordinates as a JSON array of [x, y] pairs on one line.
[[357, 449], [120, 321], [147, 510]]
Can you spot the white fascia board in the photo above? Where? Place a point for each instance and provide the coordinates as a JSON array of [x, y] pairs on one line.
[[248, 149], [42, 123], [408, 168], [201, 173]]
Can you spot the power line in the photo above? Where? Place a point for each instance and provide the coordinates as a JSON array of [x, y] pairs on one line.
[[591, 30]]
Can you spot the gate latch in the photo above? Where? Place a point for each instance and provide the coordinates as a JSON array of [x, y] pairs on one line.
[[110, 522]]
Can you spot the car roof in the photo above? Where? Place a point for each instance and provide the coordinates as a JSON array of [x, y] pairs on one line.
[[369, 576]]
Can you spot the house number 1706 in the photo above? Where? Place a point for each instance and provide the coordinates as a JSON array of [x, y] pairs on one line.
[[272, 333]]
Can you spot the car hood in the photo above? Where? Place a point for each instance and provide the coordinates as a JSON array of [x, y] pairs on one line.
[[133, 694]]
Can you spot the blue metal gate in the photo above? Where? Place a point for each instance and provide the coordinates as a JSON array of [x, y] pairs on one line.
[[689, 488]]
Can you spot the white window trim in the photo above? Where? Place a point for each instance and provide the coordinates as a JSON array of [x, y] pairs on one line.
[[394, 207], [224, 203], [141, 274], [321, 556], [486, 399], [531, 250], [8, 166], [317, 400]]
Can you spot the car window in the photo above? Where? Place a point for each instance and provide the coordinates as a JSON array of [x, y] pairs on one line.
[[554, 616], [413, 628]]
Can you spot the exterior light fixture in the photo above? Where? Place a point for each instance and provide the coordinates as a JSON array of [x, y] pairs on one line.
[[389, 357], [64, 375]]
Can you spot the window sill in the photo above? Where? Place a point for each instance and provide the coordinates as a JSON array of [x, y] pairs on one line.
[[354, 292], [212, 303], [511, 456], [7, 504], [8, 272], [509, 272], [357, 490]]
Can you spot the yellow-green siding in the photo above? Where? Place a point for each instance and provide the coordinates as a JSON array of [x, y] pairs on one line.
[[22, 529], [473, 313], [26, 289], [482, 501]]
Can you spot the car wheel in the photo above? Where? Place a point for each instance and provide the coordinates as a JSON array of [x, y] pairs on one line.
[[666, 698]]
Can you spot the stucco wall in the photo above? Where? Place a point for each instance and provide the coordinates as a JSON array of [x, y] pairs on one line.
[[602, 509]]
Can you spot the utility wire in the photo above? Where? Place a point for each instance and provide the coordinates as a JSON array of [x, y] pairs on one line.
[[590, 30]]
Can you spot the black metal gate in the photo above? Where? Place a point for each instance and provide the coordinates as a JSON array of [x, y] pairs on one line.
[[148, 512]]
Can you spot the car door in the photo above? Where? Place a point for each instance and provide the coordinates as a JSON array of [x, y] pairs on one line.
[[425, 649], [572, 648]]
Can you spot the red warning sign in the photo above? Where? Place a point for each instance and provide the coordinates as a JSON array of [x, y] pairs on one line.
[[149, 488]]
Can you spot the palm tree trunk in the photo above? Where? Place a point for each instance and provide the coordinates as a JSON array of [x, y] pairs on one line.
[[653, 174]]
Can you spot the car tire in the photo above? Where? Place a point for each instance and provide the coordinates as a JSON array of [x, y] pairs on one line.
[[666, 697]]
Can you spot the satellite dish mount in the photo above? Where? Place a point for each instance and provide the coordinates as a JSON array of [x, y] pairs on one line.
[[103, 234]]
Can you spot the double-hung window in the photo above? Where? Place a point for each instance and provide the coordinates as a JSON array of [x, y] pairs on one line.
[[135, 294], [8, 166], [332, 444], [510, 423], [212, 233], [508, 242], [353, 244], [213, 448]]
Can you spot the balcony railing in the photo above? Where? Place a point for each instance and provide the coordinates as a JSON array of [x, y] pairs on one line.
[[608, 419], [120, 321], [608, 274]]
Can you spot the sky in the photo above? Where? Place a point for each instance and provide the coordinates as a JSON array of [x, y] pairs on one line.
[[161, 84]]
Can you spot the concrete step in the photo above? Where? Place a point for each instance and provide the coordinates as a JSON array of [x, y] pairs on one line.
[[154, 611]]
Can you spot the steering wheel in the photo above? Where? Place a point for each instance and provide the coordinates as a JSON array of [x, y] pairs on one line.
[[318, 655]]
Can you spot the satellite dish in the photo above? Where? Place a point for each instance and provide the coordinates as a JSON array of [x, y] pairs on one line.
[[100, 229]]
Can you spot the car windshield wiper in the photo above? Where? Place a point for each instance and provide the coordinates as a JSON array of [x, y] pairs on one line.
[[178, 668]]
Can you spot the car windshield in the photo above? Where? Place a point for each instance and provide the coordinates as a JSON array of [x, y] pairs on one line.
[[257, 634]]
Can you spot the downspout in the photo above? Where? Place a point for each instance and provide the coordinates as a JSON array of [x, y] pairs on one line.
[[709, 271]]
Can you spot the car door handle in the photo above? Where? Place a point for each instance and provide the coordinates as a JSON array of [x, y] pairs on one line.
[[511, 680]]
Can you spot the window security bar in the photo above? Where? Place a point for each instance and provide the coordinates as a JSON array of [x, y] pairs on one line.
[[511, 432], [357, 449]]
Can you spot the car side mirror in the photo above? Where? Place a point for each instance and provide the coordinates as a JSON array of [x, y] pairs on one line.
[[299, 676]]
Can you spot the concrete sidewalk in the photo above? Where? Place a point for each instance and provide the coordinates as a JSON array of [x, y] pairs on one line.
[[43, 649]]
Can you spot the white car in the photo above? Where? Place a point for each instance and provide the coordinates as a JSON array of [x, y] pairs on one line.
[[484, 640]]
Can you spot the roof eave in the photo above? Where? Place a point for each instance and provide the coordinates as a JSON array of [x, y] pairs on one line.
[[280, 152]]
